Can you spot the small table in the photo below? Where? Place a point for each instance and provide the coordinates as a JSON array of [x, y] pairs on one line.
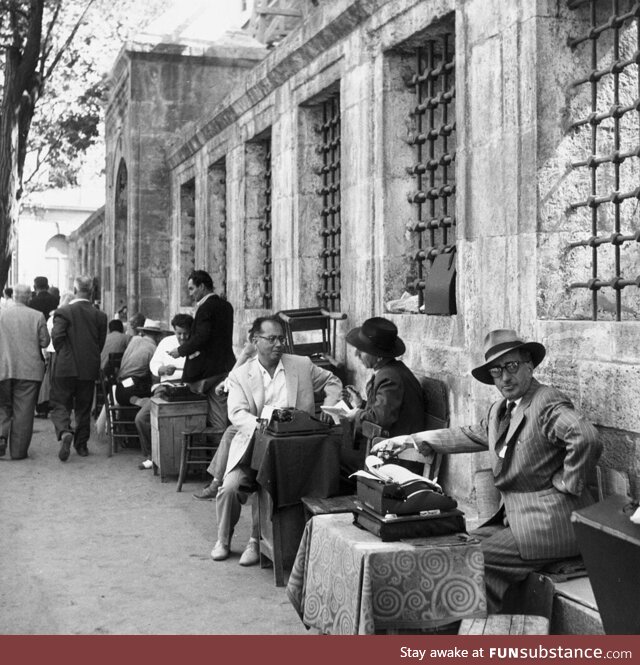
[[168, 421], [346, 581], [290, 467]]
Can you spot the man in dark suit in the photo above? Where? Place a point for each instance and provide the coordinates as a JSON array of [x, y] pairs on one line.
[[79, 332], [542, 452], [42, 300], [209, 350]]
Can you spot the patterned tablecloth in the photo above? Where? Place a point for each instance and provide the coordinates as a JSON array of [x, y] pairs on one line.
[[346, 581]]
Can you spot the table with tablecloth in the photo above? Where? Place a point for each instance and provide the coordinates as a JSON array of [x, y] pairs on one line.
[[289, 468], [347, 581]]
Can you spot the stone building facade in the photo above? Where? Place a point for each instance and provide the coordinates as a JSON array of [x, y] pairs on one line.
[[479, 155]]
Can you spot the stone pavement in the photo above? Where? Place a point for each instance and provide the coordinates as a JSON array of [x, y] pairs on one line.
[[95, 546]]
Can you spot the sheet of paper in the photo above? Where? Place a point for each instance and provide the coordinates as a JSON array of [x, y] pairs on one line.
[[337, 410]]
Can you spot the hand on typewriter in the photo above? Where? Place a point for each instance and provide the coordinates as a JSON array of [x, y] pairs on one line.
[[391, 447]]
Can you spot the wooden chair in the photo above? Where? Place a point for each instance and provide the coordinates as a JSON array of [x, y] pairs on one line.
[[197, 451], [121, 427], [299, 327]]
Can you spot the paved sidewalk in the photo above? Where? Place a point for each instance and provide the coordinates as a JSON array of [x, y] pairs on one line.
[[95, 546]]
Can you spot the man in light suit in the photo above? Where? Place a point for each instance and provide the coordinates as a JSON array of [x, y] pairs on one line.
[[542, 452], [23, 335], [274, 379], [79, 332]]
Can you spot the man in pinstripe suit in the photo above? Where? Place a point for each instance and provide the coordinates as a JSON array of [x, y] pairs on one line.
[[542, 451]]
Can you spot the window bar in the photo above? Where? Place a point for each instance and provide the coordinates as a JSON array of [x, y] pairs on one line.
[[329, 292], [615, 112], [265, 227], [434, 85]]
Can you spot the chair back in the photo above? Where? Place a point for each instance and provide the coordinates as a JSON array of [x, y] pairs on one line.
[[307, 321]]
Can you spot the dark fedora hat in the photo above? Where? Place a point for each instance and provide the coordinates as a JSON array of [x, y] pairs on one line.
[[497, 343], [377, 336]]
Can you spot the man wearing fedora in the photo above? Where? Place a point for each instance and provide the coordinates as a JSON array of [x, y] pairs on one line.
[[394, 397], [134, 376], [542, 452], [78, 335]]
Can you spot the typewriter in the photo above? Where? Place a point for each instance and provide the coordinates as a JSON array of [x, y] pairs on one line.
[[287, 422], [178, 392]]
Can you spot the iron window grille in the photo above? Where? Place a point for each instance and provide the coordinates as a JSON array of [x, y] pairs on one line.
[[265, 228], [329, 148], [434, 143], [613, 143]]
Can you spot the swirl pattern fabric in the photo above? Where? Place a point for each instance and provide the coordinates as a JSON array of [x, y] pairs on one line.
[[346, 581]]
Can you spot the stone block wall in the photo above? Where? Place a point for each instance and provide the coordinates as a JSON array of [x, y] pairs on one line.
[[512, 98]]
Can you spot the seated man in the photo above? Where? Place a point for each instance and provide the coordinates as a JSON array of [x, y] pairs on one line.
[[542, 452], [116, 342], [275, 379], [134, 376], [168, 370], [395, 400]]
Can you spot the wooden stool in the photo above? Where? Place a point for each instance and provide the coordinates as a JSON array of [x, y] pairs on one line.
[[505, 624], [336, 504], [197, 450]]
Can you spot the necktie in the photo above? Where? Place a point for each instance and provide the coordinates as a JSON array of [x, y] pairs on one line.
[[503, 428]]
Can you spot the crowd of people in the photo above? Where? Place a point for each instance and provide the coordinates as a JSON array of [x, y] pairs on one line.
[[542, 450]]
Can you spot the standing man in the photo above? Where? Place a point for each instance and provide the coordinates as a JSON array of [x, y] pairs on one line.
[[42, 300], [542, 453], [79, 332], [23, 335], [275, 379], [209, 350]]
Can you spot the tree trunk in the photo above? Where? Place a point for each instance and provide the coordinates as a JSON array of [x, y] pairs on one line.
[[8, 161]]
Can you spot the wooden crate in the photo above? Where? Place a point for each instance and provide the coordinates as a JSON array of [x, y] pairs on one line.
[[168, 421]]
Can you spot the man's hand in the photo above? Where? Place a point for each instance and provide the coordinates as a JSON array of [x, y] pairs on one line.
[[166, 370], [325, 417], [392, 447], [173, 353], [352, 396]]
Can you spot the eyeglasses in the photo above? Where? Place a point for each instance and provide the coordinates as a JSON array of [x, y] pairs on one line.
[[272, 339], [511, 367]]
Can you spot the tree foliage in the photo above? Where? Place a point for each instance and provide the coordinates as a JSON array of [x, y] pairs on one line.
[[53, 57]]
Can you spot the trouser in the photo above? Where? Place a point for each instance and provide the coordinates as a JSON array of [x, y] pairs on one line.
[[503, 565], [217, 416], [143, 425], [236, 488], [218, 464], [68, 393], [17, 405]]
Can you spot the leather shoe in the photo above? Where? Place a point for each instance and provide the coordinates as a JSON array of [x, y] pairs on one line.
[[209, 492], [65, 446], [251, 554], [83, 452], [220, 551]]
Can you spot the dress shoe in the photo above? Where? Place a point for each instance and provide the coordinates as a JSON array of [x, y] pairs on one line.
[[220, 551], [82, 451], [65, 446], [209, 492], [251, 554], [3, 446]]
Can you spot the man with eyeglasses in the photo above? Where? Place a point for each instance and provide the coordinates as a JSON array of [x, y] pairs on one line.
[[542, 451], [272, 378]]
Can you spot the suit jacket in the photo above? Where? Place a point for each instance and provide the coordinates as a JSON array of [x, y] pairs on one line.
[[79, 332], [395, 400], [23, 335], [44, 302], [246, 396], [551, 451], [209, 349]]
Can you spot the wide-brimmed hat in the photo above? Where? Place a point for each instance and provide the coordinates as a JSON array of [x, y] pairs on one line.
[[377, 336], [497, 343], [152, 326]]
